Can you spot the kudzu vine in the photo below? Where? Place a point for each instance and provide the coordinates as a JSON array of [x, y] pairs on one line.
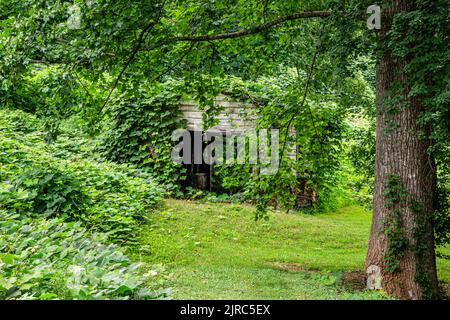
[[396, 199]]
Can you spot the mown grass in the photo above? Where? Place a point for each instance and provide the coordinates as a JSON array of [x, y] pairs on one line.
[[218, 251]]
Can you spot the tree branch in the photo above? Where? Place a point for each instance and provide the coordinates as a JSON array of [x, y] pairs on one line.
[[140, 40], [257, 29], [176, 63], [305, 94], [243, 32], [222, 36]]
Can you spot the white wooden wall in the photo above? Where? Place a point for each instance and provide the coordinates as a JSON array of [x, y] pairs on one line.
[[235, 117]]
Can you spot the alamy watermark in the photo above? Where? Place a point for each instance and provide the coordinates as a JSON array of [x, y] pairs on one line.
[[74, 21], [374, 20], [260, 148]]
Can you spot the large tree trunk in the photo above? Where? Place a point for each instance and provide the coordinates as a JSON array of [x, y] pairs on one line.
[[403, 154]]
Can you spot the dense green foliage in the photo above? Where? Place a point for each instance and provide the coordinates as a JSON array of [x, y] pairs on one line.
[[103, 79], [40, 182], [143, 101], [59, 211], [305, 75], [139, 132], [52, 259]]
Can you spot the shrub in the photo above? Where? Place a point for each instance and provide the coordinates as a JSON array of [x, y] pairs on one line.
[[108, 197], [139, 132], [18, 121], [53, 202], [51, 192], [120, 196], [51, 259]]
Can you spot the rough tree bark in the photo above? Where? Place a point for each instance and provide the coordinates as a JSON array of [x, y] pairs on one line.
[[402, 153]]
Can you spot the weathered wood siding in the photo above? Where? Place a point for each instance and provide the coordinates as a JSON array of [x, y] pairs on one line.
[[235, 116]]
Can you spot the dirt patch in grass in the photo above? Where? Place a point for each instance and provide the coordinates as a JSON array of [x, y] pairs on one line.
[[291, 267], [446, 289], [354, 280]]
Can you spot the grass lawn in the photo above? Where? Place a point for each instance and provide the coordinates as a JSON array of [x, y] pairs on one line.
[[218, 251]]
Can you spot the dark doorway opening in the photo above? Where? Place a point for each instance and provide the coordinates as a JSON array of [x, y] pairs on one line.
[[198, 175]]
